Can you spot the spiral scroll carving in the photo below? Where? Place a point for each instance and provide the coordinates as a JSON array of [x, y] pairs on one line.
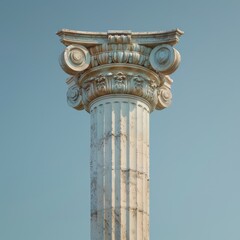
[[74, 97], [164, 98], [119, 62], [165, 59], [74, 59]]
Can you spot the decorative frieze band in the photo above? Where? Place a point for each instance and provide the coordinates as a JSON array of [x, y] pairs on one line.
[[119, 79], [120, 53], [90, 39]]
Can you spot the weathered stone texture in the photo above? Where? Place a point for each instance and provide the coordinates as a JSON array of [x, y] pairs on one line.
[[119, 77], [120, 168]]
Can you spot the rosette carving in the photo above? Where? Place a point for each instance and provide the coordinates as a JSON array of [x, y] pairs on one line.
[[119, 82], [120, 79], [165, 59], [74, 97], [120, 63], [101, 83], [75, 59], [138, 84]]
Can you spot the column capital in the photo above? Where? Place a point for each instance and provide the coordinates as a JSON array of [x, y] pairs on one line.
[[119, 62]]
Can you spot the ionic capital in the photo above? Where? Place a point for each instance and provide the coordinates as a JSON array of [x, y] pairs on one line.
[[119, 62]]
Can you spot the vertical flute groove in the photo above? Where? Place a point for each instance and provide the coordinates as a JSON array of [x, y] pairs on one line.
[[119, 170]]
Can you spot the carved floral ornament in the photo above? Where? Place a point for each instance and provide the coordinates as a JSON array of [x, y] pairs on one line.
[[119, 66]]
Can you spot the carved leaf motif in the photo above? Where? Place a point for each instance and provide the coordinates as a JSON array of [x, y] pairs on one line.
[[110, 57], [101, 83], [99, 58], [138, 83], [120, 53], [141, 60], [103, 58], [119, 56], [121, 82], [135, 57], [115, 57], [130, 60], [105, 47], [120, 47], [150, 92], [92, 61], [125, 56], [120, 76]]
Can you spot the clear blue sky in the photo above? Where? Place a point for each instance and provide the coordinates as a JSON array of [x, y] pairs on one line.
[[195, 144]]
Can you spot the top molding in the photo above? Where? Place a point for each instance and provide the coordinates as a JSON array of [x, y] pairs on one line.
[[91, 39]]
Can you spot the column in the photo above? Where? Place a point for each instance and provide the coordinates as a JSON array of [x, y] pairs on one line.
[[119, 77], [119, 168]]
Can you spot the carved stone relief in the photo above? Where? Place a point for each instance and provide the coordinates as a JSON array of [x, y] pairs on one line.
[[75, 59], [120, 65]]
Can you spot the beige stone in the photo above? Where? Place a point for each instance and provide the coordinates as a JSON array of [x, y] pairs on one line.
[[119, 77]]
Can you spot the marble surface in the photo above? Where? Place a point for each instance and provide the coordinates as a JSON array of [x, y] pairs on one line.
[[119, 77], [119, 168]]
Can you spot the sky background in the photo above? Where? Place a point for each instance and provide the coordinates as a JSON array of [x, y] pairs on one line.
[[45, 145]]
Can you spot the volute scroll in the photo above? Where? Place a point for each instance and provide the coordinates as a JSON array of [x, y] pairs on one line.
[[75, 59]]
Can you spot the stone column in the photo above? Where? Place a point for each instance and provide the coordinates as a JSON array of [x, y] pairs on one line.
[[119, 77]]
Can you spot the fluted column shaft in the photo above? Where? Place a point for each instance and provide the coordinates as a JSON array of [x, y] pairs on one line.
[[119, 168]]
